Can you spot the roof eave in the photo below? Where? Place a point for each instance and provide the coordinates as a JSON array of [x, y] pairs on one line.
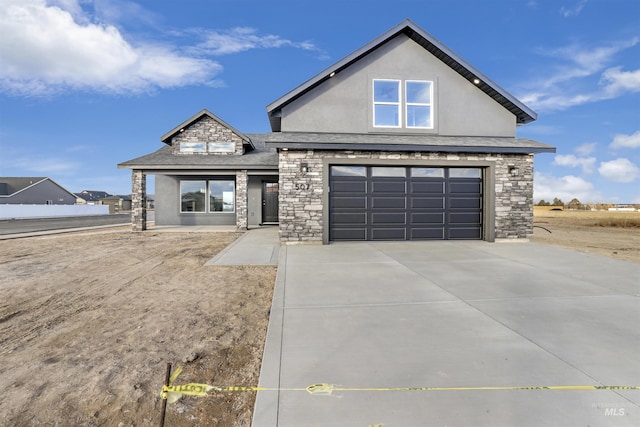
[[409, 147]]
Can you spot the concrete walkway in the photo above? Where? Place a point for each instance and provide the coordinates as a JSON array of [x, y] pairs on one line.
[[450, 314], [258, 246]]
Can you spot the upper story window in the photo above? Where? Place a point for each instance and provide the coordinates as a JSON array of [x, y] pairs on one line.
[[395, 108], [204, 147]]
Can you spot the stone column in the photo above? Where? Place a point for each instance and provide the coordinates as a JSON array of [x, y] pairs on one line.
[[138, 200], [242, 214]]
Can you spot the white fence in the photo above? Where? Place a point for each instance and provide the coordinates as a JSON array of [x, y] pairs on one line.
[[47, 211]]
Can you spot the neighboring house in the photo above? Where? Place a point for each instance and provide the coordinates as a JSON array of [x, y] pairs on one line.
[[91, 197], [400, 140], [34, 191], [117, 204]]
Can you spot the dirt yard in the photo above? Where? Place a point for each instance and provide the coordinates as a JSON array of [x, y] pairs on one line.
[[612, 234], [89, 321]]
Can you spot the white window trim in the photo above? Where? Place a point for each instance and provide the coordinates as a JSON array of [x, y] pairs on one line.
[[419, 104], [397, 104]]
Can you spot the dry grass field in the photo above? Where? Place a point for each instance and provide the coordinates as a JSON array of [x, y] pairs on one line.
[[610, 233]]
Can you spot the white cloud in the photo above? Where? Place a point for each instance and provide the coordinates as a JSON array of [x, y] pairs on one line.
[[565, 188], [626, 141], [570, 85], [573, 11], [585, 149], [619, 170], [45, 49], [241, 39], [586, 163]]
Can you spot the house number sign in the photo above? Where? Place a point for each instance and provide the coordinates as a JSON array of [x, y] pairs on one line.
[[302, 187]]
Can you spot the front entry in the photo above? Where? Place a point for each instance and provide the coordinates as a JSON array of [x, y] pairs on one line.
[[270, 202]]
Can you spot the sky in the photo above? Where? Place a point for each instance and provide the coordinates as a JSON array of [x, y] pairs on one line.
[[88, 84]]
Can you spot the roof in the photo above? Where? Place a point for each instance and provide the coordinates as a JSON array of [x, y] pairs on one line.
[[407, 27], [92, 196], [259, 158], [12, 185], [166, 138], [413, 142]]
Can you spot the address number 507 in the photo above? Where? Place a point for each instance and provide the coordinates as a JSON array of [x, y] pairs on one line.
[[302, 186]]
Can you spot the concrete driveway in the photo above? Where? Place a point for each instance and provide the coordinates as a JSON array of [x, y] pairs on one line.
[[450, 314]]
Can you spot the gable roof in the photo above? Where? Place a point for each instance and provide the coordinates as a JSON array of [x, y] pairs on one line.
[[10, 186], [166, 138], [407, 27]]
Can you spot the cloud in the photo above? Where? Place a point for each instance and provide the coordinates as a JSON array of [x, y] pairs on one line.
[[46, 50], [586, 163], [548, 187], [585, 149], [626, 141], [619, 170], [241, 39], [571, 82], [573, 11]]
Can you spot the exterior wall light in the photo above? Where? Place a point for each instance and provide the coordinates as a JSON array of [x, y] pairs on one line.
[[304, 168], [514, 171]]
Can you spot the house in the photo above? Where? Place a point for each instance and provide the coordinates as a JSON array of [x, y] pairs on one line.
[[400, 140], [34, 191], [117, 203], [91, 197]]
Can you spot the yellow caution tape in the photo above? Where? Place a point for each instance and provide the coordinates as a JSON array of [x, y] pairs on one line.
[[173, 393]]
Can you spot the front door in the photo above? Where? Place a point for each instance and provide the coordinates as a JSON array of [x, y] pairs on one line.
[[270, 202]]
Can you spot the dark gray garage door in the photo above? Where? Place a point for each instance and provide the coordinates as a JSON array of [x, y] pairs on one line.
[[405, 203]]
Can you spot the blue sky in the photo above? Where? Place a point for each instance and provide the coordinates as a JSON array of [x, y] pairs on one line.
[[86, 84]]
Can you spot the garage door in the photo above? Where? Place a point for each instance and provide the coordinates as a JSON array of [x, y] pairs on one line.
[[405, 203]]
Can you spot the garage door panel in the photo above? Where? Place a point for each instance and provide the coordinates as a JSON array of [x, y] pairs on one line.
[[389, 233], [388, 218], [350, 202], [349, 186], [465, 202], [427, 218], [467, 233], [427, 202], [427, 233], [388, 187], [388, 202], [465, 218], [465, 187], [349, 218], [349, 233], [416, 187]]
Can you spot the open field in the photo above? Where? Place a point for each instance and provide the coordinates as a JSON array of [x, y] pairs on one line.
[[612, 234], [89, 321]]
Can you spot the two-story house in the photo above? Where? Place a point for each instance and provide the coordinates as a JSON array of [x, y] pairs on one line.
[[400, 140]]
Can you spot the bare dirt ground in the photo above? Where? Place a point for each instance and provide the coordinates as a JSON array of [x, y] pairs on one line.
[[89, 321], [612, 234]]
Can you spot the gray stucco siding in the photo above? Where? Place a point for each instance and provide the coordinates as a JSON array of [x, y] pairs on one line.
[[344, 102]]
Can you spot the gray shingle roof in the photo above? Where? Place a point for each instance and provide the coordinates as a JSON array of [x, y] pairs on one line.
[[418, 142], [260, 158]]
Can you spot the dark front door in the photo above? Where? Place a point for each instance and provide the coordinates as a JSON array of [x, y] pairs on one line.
[[269, 202], [405, 203]]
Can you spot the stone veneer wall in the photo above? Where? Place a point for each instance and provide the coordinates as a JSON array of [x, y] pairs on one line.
[[242, 210], [301, 194], [206, 130], [138, 200]]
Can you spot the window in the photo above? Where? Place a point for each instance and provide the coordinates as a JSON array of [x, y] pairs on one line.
[[418, 104], [222, 147], [465, 173], [360, 171], [193, 196], [389, 103], [193, 147], [386, 103], [221, 196]]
